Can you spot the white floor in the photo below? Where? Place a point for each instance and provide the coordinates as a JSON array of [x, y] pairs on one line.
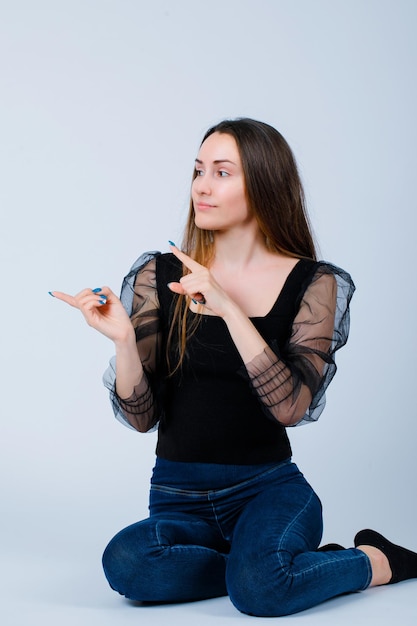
[[73, 591]]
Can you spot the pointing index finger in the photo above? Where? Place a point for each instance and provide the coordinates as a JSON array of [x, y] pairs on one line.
[[64, 297], [184, 258]]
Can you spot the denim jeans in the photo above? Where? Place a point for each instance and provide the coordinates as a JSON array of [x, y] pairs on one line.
[[247, 531]]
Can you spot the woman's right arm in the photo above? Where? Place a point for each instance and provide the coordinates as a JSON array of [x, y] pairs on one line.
[[132, 323]]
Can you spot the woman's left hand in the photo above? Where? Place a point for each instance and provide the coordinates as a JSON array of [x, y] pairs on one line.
[[200, 286]]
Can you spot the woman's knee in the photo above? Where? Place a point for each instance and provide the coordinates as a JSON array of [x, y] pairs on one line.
[[126, 562], [255, 592]]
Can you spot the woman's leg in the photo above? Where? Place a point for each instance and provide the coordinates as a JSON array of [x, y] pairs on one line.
[[274, 568], [167, 559]]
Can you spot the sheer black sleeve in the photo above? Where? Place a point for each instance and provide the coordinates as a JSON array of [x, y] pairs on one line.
[[291, 382], [139, 297]]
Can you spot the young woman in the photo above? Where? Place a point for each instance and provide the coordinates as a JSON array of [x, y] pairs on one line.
[[223, 344]]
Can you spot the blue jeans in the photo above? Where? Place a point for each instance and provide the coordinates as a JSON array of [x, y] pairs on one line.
[[247, 531]]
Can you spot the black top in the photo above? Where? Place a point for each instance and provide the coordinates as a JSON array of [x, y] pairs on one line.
[[215, 409]]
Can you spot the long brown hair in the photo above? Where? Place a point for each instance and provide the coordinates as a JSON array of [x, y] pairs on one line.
[[275, 196]]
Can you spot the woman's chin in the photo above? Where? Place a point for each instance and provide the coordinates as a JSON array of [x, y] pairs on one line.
[[205, 224]]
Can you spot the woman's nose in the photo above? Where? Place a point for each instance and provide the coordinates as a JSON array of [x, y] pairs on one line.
[[202, 185]]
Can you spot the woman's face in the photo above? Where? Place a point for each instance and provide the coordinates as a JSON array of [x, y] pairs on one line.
[[218, 191]]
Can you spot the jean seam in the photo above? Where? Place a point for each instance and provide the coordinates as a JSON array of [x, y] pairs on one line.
[[369, 571], [219, 526], [181, 492], [218, 493], [319, 565], [285, 533], [180, 546]]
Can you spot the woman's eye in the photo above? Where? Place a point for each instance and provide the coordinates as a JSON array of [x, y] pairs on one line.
[[199, 173], [222, 173]]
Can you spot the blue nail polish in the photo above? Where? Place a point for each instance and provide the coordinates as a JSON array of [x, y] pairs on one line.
[[171, 243], [195, 301], [96, 290], [51, 294], [103, 300]]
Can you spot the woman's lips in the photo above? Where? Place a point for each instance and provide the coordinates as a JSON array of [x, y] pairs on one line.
[[204, 206]]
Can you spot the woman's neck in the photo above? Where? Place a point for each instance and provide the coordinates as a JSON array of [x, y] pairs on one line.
[[236, 251]]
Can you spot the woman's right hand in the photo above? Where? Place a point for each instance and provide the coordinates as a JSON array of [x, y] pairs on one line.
[[102, 310]]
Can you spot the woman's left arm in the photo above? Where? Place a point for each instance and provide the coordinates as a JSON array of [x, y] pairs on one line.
[[286, 381], [290, 385], [201, 286]]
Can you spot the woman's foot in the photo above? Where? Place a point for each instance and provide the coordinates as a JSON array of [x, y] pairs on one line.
[[330, 547], [390, 563]]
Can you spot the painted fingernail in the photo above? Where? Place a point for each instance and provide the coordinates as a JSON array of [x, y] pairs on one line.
[[96, 290], [51, 294], [171, 243], [103, 300], [195, 301]]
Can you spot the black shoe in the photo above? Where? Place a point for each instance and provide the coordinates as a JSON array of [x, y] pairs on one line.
[[403, 562], [330, 547]]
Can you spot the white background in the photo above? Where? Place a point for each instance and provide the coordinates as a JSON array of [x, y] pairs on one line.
[[103, 104]]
